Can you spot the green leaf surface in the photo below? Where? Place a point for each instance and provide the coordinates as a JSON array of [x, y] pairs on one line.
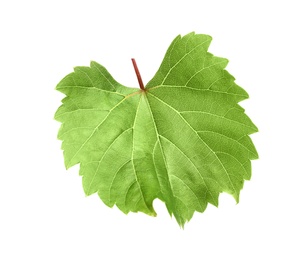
[[184, 139]]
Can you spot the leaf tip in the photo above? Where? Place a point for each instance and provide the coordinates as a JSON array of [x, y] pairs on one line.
[[153, 214], [236, 197], [93, 63], [67, 162]]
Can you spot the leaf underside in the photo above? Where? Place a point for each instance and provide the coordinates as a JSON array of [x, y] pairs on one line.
[[183, 140]]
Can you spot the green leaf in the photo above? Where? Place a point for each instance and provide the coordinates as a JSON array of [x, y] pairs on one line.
[[184, 139]]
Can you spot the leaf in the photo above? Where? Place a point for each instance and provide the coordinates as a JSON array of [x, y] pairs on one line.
[[183, 139]]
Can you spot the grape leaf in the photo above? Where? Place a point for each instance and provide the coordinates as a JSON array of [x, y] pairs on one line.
[[183, 138]]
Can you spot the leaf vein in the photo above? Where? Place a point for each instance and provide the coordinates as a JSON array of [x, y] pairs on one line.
[[198, 137], [183, 57]]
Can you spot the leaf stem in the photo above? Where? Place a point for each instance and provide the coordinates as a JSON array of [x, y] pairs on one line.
[[138, 75]]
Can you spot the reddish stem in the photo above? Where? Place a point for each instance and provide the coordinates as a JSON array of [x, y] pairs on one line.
[[138, 74]]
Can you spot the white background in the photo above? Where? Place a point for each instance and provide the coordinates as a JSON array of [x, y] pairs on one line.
[[44, 213]]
